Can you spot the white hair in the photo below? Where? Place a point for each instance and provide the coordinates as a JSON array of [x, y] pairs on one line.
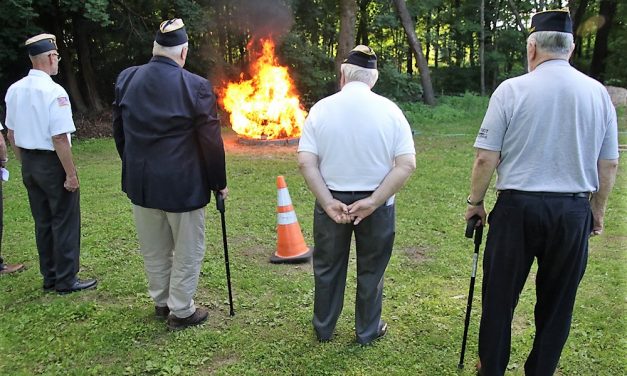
[[173, 52], [356, 73], [554, 43]]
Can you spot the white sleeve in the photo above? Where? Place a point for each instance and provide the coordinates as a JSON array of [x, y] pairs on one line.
[[494, 123], [405, 140], [61, 113], [307, 138]]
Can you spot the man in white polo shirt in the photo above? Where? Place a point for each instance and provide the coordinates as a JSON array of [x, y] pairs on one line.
[[355, 153], [39, 118], [551, 135]]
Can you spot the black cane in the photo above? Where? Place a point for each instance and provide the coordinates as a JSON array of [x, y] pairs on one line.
[[478, 231], [221, 208]]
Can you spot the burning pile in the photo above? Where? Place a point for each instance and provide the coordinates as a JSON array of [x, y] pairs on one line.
[[264, 107]]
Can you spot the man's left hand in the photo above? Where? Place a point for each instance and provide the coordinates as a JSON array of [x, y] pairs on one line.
[[360, 209]]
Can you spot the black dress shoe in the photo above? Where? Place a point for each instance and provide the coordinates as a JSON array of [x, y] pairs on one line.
[[49, 287], [78, 286], [161, 313]]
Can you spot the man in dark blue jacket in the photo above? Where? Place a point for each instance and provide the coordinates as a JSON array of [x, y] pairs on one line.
[[167, 133]]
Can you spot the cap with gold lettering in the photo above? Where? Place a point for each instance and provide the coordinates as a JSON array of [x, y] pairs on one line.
[[171, 33], [552, 20], [41, 43], [362, 56]]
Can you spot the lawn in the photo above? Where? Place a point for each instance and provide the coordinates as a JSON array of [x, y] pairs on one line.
[[111, 330]]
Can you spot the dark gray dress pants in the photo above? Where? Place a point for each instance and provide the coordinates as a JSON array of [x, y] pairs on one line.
[[56, 213], [374, 237]]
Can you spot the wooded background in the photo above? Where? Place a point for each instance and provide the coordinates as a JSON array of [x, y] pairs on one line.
[[99, 38]]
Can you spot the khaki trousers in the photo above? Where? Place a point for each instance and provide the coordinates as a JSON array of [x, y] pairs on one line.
[[173, 246]]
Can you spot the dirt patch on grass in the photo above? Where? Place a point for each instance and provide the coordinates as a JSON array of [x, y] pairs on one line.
[[221, 360], [418, 254]]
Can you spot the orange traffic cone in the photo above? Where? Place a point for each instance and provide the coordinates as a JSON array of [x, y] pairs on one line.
[[290, 247]]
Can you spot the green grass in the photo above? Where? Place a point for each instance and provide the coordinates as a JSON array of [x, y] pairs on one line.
[[111, 331]]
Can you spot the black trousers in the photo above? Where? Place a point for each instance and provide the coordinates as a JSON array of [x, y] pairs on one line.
[[554, 230], [56, 213], [374, 237]]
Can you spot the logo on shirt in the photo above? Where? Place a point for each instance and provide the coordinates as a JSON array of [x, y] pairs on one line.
[[63, 101], [483, 133]]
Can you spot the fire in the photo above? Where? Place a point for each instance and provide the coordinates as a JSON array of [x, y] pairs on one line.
[[266, 106]]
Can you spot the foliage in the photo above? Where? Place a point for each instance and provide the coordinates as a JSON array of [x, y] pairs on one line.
[[111, 330], [399, 87]]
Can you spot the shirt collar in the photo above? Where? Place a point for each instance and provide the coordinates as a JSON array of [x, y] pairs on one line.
[[554, 62], [39, 73], [356, 85]]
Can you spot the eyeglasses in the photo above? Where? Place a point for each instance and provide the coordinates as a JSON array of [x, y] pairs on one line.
[[57, 56]]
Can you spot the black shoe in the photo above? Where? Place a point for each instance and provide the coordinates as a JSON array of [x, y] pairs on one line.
[[78, 286], [161, 313], [197, 318], [49, 287]]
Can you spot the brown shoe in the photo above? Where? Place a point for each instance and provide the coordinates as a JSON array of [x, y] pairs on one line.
[[11, 268], [197, 318], [162, 312]]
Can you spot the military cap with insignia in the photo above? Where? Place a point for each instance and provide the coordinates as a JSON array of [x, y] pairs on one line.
[[41, 43], [552, 20], [362, 56], [171, 33]]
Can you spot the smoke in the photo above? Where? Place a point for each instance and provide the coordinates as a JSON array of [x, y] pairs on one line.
[[262, 18]]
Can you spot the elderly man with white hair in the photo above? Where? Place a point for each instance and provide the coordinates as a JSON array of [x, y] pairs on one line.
[[39, 118], [355, 153], [167, 133], [551, 136]]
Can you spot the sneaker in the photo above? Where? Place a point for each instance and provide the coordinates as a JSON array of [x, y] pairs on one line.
[[162, 312], [197, 318]]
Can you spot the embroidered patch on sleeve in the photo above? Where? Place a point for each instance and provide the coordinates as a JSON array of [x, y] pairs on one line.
[[483, 133], [63, 101]]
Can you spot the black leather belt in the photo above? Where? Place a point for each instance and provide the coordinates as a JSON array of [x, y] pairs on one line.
[[37, 151], [546, 194], [353, 192]]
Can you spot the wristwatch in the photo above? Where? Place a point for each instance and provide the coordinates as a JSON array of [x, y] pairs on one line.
[[478, 203]]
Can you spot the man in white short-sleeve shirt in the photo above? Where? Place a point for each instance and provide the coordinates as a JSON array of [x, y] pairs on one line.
[[551, 135], [356, 152], [39, 119]]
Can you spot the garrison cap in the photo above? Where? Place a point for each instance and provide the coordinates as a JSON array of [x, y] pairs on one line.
[[552, 20], [171, 33], [362, 56], [41, 43]]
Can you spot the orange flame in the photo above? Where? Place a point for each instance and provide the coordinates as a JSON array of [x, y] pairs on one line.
[[264, 107]]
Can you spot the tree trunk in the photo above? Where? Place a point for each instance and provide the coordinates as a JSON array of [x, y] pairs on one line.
[[81, 36], [348, 16], [423, 67], [362, 29], [68, 73], [482, 47], [410, 61], [607, 9], [577, 13], [521, 26]]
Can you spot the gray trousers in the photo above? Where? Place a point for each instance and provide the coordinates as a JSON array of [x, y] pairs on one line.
[[173, 246], [374, 237], [56, 213]]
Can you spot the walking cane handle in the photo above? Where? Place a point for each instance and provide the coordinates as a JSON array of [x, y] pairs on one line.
[[470, 225], [219, 201]]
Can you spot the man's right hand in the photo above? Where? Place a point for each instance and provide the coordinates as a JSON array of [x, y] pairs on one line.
[[337, 211], [71, 183]]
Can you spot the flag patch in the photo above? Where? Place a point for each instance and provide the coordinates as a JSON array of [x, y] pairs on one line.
[[63, 101]]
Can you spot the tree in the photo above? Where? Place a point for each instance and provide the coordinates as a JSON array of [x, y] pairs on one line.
[[607, 9], [423, 67], [348, 16]]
